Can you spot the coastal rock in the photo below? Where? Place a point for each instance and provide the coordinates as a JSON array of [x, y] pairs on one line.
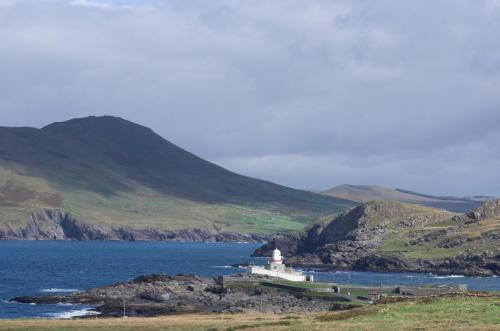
[[382, 262], [57, 224], [488, 209], [39, 300], [154, 295]]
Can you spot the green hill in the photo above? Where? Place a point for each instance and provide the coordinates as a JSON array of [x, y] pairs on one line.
[[109, 171]]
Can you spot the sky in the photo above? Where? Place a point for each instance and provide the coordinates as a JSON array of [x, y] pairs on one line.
[[309, 94]]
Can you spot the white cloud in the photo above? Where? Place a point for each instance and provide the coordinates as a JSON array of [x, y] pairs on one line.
[[92, 4]]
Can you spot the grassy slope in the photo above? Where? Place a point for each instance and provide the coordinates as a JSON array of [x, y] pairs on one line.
[[463, 313], [468, 236], [141, 208], [381, 214], [110, 171], [473, 233]]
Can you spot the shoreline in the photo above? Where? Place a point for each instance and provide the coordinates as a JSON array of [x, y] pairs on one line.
[[58, 224], [202, 293], [162, 294]]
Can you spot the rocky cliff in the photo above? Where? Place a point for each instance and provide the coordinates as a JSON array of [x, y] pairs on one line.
[[57, 224], [392, 236]]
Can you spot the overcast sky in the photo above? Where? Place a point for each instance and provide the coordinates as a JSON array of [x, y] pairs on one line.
[[309, 94]]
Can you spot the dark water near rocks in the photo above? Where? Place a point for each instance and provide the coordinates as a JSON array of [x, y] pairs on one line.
[[36, 268]]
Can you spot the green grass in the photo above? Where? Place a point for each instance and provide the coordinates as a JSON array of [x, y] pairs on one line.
[[429, 250], [466, 312], [294, 288], [301, 285]]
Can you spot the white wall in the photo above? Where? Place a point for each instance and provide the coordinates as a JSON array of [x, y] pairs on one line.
[[287, 276]]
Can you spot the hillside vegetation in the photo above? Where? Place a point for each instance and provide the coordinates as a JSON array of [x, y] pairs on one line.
[[111, 172]]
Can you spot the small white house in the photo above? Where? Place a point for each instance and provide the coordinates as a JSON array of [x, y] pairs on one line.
[[276, 268]]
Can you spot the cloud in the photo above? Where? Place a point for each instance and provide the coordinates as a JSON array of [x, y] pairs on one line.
[[92, 4], [305, 93]]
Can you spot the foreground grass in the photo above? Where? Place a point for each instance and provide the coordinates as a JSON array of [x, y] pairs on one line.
[[459, 313]]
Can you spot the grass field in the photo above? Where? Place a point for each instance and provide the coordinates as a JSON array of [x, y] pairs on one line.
[[462, 313]]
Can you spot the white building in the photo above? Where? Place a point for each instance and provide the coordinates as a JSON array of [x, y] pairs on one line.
[[276, 268]]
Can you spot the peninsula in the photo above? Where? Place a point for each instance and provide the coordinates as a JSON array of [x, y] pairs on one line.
[[388, 236]]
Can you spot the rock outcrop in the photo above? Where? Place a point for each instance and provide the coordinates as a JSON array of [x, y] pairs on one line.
[[487, 210], [154, 295], [57, 224], [390, 236]]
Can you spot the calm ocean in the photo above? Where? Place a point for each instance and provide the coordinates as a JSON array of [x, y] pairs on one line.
[[43, 267]]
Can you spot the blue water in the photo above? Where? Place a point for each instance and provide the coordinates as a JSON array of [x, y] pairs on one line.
[[43, 267]]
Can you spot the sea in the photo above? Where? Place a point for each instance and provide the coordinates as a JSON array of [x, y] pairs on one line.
[[62, 267]]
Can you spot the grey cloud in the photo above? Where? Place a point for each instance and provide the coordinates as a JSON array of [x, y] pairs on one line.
[[305, 93]]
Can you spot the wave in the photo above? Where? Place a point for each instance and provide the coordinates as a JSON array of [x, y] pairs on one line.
[[59, 290], [65, 304], [73, 313], [16, 302], [230, 267], [450, 276]]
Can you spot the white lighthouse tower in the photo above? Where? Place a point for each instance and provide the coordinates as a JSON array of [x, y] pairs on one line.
[[276, 261], [277, 258]]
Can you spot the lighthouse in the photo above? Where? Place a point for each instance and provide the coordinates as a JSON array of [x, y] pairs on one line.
[[276, 268]]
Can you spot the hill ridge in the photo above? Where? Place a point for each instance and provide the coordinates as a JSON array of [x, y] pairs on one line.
[[112, 171], [364, 193]]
